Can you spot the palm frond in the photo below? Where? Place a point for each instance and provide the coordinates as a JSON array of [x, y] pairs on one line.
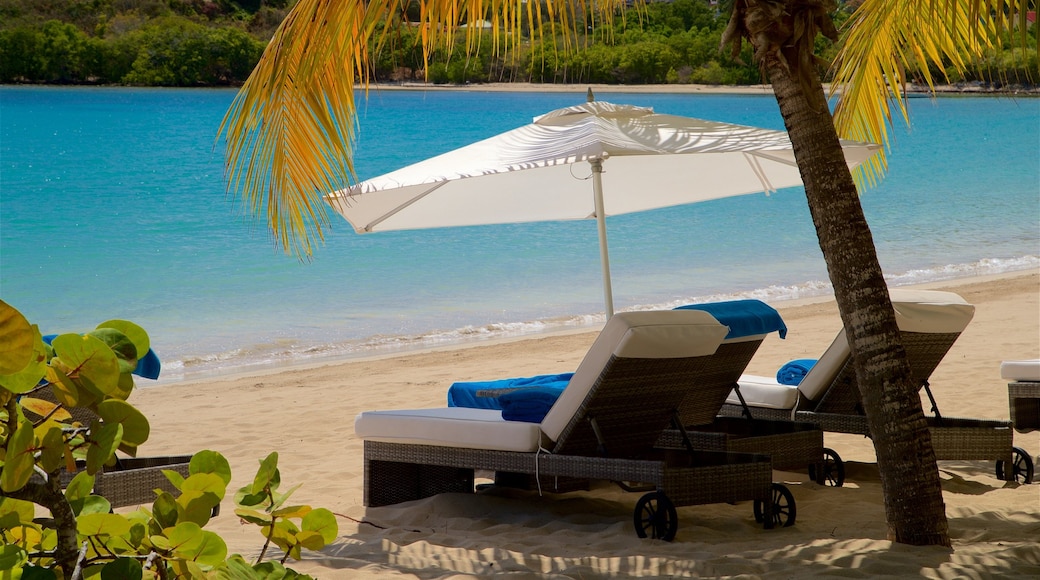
[[290, 131], [886, 38]]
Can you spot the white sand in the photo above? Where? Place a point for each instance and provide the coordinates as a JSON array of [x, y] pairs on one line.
[[307, 414]]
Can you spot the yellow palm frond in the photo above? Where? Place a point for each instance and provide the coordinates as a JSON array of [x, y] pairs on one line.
[[290, 131], [886, 38]]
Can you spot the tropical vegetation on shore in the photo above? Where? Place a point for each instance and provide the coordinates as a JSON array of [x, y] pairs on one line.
[[218, 42]]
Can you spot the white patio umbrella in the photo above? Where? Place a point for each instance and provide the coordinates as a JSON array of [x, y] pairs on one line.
[[538, 172]]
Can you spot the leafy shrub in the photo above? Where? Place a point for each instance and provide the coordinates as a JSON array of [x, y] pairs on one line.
[[92, 372]]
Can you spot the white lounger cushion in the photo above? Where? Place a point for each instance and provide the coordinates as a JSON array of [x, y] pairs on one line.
[[1021, 370], [450, 426], [655, 334], [925, 311], [765, 392]]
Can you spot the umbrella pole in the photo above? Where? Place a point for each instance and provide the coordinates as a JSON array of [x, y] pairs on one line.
[[601, 226]]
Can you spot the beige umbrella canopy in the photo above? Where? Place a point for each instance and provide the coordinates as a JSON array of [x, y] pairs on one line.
[[538, 172]]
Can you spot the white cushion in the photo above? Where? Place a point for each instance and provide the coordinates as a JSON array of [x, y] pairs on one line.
[[764, 393], [930, 310], [449, 427], [1021, 370]]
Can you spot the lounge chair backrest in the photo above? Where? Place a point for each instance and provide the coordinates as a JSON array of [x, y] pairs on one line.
[[929, 323], [749, 322], [632, 380]]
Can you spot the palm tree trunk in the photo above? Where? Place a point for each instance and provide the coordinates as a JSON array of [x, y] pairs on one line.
[[910, 481]]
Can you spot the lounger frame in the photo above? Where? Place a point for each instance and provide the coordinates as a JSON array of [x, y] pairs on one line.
[[840, 409], [398, 472]]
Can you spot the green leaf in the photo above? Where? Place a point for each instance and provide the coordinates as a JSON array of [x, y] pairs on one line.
[[104, 439], [19, 461], [80, 487], [14, 512], [210, 550], [160, 542], [25, 379], [92, 504], [236, 569], [135, 333], [207, 461], [174, 477], [53, 449], [296, 511], [122, 347], [122, 569], [324, 522], [205, 482], [244, 497], [12, 557], [310, 540], [254, 517], [184, 535], [196, 506], [135, 424], [17, 337], [266, 474], [164, 510], [66, 391], [92, 363], [102, 525]]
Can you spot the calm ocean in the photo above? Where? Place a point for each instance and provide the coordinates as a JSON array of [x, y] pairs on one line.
[[112, 205]]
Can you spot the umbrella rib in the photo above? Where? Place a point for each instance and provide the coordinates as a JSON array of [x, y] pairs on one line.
[[368, 227], [752, 160]]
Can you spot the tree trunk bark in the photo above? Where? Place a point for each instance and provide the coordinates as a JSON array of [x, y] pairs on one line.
[[914, 506], [48, 494]]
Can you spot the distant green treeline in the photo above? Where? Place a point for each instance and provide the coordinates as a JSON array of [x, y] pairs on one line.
[[218, 42]]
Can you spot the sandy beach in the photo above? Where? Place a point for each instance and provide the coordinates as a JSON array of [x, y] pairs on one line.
[[306, 414]]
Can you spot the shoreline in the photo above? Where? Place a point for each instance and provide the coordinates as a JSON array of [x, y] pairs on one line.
[[264, 370], [913, 91]]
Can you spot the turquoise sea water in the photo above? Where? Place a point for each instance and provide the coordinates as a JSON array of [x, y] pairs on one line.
[[112, 205]]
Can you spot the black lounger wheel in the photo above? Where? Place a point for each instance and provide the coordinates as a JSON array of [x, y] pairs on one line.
[[783, 513], [655, 517], [833, 472], [1021, 466]]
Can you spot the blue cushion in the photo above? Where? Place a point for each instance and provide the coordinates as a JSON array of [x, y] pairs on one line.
[[528, 404], [793, 372], [464, 394], [744, 317]]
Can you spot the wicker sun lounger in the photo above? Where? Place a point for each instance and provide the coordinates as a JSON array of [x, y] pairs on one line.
[[1023, 378], [602, 427], [930, 322]]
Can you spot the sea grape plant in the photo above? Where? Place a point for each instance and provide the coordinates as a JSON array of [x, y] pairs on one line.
[[44, 391]]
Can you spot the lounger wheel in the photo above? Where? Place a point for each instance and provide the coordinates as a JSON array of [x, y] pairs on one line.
[[783, 512], [655, 516], [1021, 466], [833, 472]]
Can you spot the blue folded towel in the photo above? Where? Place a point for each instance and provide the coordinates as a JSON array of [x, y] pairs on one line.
[[148, 366], [743, 317], [464, 394], [528, 404], [793, 372]]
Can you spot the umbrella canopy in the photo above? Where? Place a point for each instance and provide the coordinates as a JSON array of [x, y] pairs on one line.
[[539, 172]]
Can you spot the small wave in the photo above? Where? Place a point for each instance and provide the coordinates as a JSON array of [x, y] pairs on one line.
[[286, 352]]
